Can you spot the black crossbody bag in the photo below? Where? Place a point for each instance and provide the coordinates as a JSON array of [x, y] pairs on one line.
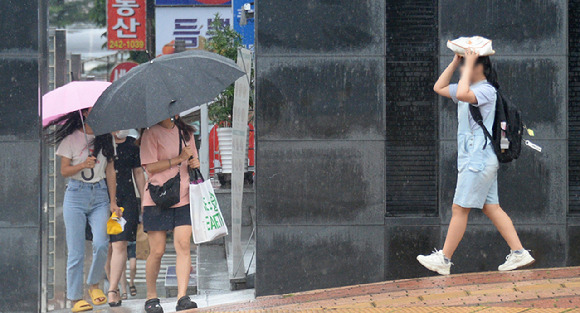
[[168, 194]]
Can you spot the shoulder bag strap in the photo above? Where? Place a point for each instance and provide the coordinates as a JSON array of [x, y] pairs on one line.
[[181, 141], [478, 118]]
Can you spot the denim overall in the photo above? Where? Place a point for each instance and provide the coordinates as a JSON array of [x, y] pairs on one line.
[[477, 166]]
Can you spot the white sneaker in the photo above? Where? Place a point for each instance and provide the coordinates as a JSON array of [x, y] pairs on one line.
[[515, 260], [435, 262]]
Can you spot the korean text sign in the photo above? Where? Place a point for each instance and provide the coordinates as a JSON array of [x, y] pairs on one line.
[[194, 2], [127, 24], [188, 24]]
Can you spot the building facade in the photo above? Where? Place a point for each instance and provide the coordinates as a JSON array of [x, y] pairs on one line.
[[23, 50], [356, 155]]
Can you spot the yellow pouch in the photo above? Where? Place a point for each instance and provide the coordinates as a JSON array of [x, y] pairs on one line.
[[113, 225]]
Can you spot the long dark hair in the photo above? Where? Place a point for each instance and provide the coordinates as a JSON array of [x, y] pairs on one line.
[[488, 70], [186, 129], [71, 122]]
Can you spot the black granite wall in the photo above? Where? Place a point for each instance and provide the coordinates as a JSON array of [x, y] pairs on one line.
[[357, 156], [20, 60], [573, 257], [574, 104], [320, 70]]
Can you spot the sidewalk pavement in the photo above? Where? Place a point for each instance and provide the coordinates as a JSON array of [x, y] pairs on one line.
[[532, 291], [168, 304]]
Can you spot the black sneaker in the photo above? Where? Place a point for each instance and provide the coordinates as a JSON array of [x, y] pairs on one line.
[[153, 306], [185, 303]]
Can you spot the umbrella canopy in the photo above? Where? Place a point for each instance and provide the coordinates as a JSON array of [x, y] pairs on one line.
[[161, 88], [71, 97]]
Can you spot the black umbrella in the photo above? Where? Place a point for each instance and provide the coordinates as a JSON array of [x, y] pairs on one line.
[[161, 88]]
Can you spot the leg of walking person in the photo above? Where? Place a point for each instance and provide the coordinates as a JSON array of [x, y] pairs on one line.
[[456, 230], [440, 260], [118, 261], [98, 219], [124, 282], [108, 264], [133, 272], [75, 221], [504, 225], [182, 241], [157, 249], [518, 256], [132, 256]]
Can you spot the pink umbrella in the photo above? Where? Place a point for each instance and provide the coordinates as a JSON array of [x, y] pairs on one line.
[[71, 97]]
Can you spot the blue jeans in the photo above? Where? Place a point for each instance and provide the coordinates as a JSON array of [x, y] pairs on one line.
[[82, 202]]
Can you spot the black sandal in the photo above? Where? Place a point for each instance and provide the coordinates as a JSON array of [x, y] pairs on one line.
[[133, 290], [185, 303], [153, 306], [114, 304]]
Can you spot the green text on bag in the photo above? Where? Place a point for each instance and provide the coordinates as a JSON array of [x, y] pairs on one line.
[[215, 220]]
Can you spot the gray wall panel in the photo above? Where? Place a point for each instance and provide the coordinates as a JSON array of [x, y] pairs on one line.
[[321, 27], [20, 192], [517, 27], [404, 242], [298, 258], [20, 270], [321, 98], [320, 182]]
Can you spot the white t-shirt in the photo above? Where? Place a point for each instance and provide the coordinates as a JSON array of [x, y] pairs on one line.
[[74, 147]]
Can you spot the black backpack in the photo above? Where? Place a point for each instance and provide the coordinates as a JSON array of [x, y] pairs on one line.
[[505, 111]]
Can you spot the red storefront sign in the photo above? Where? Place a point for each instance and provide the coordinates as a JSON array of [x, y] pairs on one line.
[[121, 69], [127, 24]]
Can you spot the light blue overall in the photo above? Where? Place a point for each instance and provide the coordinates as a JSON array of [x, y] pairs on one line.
[[477, 167]]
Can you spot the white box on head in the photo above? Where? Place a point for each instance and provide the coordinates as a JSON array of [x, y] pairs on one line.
[[479, 44]]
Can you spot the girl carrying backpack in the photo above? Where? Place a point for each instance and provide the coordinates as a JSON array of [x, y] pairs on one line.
[[477, 166]]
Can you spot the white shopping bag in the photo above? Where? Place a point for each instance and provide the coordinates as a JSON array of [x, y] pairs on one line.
[[479, 44], [207, 220]]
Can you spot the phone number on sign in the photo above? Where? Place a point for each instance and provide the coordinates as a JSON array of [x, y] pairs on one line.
[[130, 44]]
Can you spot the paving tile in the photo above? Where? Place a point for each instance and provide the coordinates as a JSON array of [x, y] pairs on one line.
[[536, 291], [502, 310]]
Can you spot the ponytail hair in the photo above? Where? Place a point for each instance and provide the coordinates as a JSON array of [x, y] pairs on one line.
[[488, 70]]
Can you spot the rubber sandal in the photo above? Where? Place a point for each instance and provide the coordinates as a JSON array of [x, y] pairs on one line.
[[114, 304], [97, 294], [82, 306], [185, 303], [133, 290], [153, 306]]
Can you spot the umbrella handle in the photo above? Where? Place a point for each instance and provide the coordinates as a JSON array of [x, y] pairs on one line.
[[90, 177]]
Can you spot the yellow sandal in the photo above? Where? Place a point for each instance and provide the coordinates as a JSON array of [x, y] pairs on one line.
[[97, 296], [81, 306]]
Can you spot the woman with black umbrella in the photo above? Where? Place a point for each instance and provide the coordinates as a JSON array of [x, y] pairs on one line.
[[167, 149]]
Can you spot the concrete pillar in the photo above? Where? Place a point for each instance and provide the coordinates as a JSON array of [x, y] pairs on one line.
[[22, 54]]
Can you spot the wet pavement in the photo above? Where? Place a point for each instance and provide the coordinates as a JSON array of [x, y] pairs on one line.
[[136, 305], [541, 290]]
